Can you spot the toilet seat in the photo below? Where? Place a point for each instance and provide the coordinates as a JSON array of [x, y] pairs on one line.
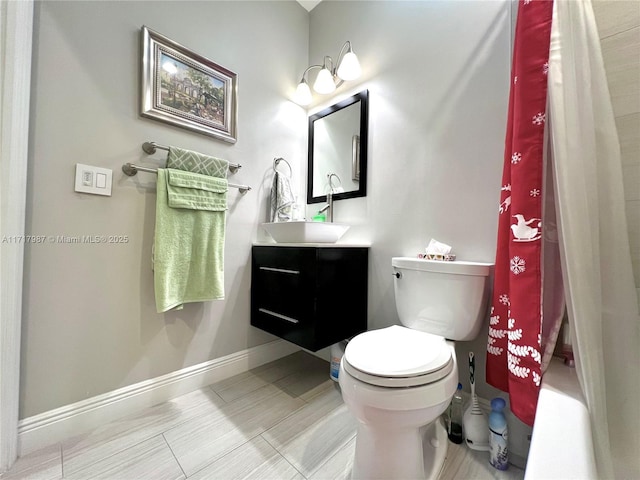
[[398, 357]]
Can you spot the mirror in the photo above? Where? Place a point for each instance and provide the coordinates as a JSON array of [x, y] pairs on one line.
[[338, 146]]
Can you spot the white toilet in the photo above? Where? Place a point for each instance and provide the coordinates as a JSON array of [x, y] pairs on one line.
[[397, 381]]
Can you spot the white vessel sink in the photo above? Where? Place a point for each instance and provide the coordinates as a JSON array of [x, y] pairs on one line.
[[305, 232]]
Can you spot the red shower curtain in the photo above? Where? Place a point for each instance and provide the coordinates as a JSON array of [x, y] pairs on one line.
[[513, 359]]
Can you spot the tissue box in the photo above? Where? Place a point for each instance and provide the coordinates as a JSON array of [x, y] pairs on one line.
[[438, 251]]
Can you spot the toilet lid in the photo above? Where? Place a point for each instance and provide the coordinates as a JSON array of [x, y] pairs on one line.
[[398, 356]]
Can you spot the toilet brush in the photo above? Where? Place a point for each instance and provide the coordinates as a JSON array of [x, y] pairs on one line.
[[475, 422]]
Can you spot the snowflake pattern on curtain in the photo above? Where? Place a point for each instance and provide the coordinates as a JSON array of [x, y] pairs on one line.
[[513, 346]]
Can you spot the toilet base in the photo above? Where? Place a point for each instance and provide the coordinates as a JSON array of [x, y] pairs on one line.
[[400, 454], [434, 448]]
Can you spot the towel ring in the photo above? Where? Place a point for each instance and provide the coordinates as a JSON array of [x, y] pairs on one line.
[[276, 161]]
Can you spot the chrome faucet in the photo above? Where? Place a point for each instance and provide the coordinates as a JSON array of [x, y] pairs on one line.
[[328, 207]]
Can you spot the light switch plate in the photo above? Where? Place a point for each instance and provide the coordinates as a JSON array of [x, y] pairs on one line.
[[94, 180]]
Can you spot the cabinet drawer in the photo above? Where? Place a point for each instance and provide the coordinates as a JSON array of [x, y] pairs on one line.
[[284, 259], [290, 295], [298, 330]]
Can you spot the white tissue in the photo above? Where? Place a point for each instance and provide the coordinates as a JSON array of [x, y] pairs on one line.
[[437, 248]]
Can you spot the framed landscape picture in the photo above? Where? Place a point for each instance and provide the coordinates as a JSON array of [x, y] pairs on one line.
[[188, 90]]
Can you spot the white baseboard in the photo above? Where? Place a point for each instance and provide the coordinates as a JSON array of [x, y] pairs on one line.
[[61, 423]]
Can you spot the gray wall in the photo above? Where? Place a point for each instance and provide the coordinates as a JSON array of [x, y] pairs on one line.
[[89, 316], [619, 29]]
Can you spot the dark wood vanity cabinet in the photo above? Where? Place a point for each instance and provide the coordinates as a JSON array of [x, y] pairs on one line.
[[310, 296]]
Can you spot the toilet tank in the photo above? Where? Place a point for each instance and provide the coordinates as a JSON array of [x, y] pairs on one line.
[[443, 298]]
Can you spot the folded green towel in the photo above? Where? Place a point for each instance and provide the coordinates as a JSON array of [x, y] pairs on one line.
[[188, 247], [196, 192], [183, 159]]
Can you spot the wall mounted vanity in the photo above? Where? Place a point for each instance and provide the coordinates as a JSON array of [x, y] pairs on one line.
[[311, 295]]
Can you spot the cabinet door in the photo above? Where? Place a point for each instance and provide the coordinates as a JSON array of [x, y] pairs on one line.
[[341, 312], [283, 292]]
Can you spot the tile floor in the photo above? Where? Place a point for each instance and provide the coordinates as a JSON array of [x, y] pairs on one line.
[[283, 420]]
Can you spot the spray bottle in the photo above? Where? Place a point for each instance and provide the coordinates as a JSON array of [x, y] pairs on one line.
[[498, 437], [337, 351]]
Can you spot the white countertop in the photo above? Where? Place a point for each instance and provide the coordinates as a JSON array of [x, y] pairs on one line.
[[320, 245]]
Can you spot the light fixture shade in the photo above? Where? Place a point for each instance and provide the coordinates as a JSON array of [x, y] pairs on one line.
[[324, 82], [303, 94], [349, 68]]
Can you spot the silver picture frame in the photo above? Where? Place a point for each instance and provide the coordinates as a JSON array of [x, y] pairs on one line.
[[185, 89]]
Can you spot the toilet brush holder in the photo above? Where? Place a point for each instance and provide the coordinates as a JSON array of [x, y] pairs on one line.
[[475, 422]]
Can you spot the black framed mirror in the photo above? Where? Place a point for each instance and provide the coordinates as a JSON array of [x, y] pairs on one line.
[[338, 139]]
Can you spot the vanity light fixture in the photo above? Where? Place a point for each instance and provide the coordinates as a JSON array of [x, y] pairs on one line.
[[330, 76]]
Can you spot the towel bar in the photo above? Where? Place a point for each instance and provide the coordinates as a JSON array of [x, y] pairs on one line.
[[130, 169], [150, 148]]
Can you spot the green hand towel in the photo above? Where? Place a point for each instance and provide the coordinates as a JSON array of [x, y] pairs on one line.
[[188, 247], [183, 159], [196, 192]]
